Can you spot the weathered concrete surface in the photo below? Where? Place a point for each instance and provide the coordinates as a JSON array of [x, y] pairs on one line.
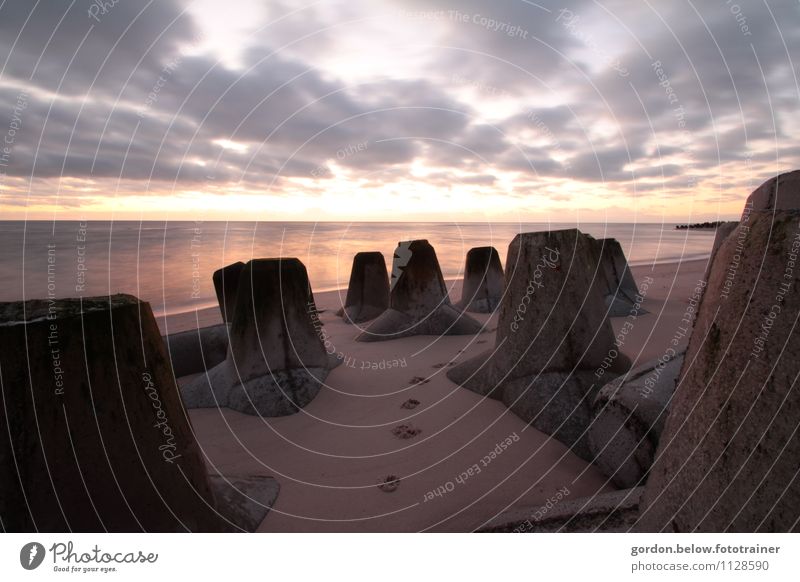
[[628, 417], [93, 435], [276, 363], [618, 286], [552, 317], [483, 284], [418, 304], [552, 336], [197, 350], [556, 403], [723, 231], [613, 512], [728, 457], [244, 502], [368, 289], [226, 286], [779, 193]]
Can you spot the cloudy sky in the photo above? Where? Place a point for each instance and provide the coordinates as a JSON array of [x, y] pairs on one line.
[[500, 110]]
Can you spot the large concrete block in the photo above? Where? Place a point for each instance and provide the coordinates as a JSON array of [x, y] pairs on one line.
[[368, 290], [558, 404], [93, 435], [197, 350], [276, 361], [226, 285], [723, 231], [617, 284], [418, 304], [628, 418], [552, 317], [483, 283], [728, 456], [552, 336], [779, 193]]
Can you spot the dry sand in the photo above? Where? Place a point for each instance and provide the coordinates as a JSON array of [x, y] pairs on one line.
[[330, 456]]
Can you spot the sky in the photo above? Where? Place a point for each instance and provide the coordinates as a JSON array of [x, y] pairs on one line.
[[406, 110]]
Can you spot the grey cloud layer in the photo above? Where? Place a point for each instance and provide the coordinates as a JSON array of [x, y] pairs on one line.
[[118, 98]]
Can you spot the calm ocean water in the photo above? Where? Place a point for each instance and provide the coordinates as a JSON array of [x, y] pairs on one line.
[[170, 264]]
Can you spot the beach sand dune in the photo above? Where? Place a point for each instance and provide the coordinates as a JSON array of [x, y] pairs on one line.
[[471, 459]]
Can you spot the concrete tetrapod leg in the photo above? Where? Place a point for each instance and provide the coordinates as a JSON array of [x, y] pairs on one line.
[[620, 287], [629, 416], [368, 290], [276, 361], [728, 456], [418, 304], [226, 285], [552, 337], [723, 231], [197, 350], [483, 281], [93, 435], [244, 501], [779, 193]]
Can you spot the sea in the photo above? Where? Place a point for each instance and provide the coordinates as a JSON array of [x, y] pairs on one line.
[[169, 264]]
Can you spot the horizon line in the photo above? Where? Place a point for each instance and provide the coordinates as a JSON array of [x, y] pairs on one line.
[[50, 220]]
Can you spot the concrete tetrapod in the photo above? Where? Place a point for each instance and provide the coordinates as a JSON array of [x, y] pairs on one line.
[[197, 350], [483, 281], [620, 290], [723, 231], [418, 304], [276, 362], [728, 456], [779, 193], [629, 416], [552, 337], [368, 290], [226, 284], [93, 435]]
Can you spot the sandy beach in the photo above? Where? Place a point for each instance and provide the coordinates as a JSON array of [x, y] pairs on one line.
[[472, 458], [399, 267]]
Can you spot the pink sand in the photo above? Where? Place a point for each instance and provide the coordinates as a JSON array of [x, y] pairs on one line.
[[330, 456]]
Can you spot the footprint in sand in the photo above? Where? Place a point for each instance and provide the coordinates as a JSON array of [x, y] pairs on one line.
[[445, 365], [389, 483], [410, 404], [419, 380], [405, 431]]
